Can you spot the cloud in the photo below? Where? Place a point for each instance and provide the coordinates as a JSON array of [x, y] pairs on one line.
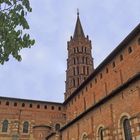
[[41, 74]]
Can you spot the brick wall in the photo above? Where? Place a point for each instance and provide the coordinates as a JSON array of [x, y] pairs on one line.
[[122, 67], [42, 117], [108, 116]]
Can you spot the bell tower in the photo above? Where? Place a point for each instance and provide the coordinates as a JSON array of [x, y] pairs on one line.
[[80, 61]]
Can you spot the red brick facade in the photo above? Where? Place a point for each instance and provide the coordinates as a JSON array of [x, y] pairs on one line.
[[105, 106], [41, 116]]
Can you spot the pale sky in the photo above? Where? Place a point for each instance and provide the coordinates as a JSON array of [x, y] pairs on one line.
[[41, 73]]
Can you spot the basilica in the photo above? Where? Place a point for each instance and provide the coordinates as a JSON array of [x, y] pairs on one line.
[[101, 103]]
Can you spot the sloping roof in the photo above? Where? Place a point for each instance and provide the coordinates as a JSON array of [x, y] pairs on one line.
[[29, 100]]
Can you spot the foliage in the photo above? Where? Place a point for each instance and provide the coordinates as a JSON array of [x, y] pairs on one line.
[[12, 25]]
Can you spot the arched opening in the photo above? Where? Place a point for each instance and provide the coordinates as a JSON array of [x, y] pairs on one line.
[[83, 60], [86, 60], [78, 81], [121, 57], [74, 71], [82, 48], [5, 126], [100, 133], [23, 104], [25, 127], [57, 127], [77, 70], [7, 103], [85, 49], [38, 106], [74, 82], [84, 70], [127, 129], [87, 70], [74, 61], [84, 137], [77, 60], [129, 50]]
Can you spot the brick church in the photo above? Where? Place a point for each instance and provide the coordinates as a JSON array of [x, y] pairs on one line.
[[101, 103]]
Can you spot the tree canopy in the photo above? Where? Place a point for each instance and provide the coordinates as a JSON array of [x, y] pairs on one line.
[[13, 26]]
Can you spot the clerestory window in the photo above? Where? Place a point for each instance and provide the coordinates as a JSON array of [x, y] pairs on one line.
[[5, 126], [25, 127]]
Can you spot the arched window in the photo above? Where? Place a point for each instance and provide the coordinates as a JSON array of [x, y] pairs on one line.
[[86, 60], [83, 69], [77, 70], [113, 64], [83, 60], [25, 127], [121, 57], [74, 82], [74, 50], [106, 70], [23, 104], [129, 50], [100, 133], [7, 103], [87, 70], [77, 49], [57, 127], [73, 70], [38, 106], [78, 81], [5, 126], [85, 137], [74, 62], [45, 106], [15, 104], [52, 107], [77, 60], [31, 105], [127, 129], [85, 50], [82, 48]]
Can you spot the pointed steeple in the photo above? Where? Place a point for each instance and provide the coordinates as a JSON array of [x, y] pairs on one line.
[[80, 61], [78, 32]]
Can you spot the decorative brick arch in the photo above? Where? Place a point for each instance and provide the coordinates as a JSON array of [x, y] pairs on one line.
[[57, 126], [8, 125], [98, 129], [123, 116], [84, 136]]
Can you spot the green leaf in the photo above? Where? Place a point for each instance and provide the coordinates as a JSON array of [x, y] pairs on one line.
[[12, 25]]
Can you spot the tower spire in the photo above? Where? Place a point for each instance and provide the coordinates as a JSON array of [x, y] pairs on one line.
[[78, 32], [77, 12], [80, 61]]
